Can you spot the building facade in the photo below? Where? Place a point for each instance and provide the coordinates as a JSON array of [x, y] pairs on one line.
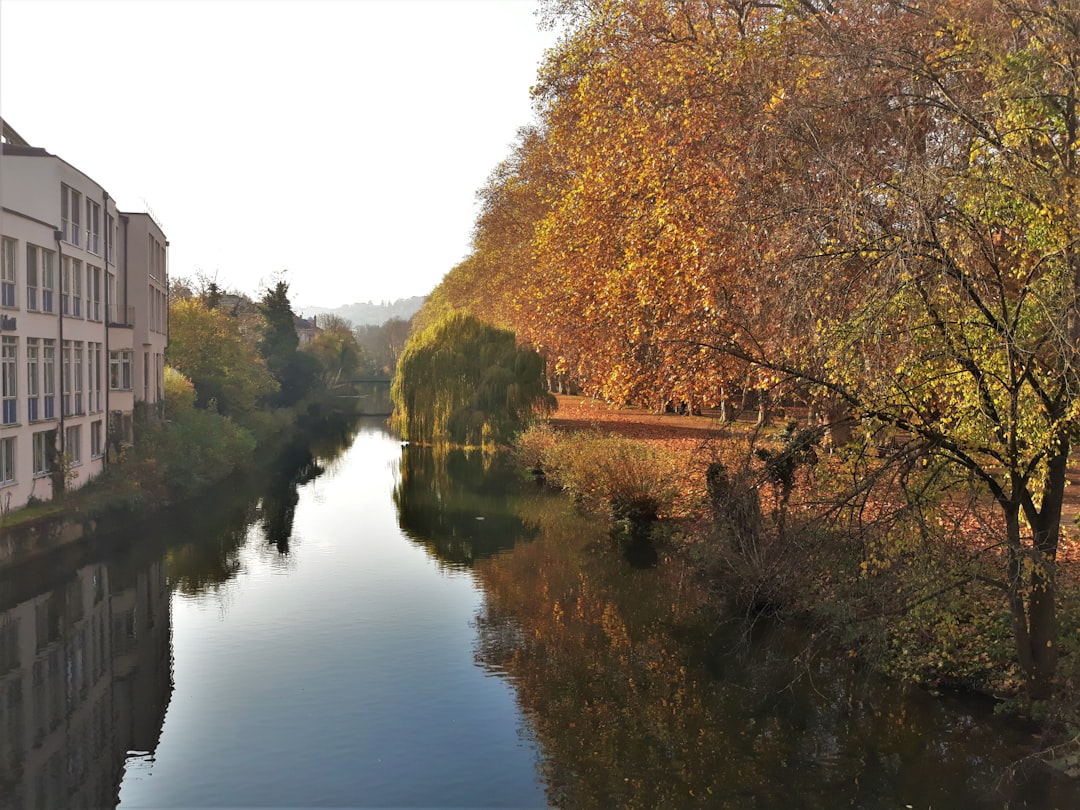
[[83, 322]]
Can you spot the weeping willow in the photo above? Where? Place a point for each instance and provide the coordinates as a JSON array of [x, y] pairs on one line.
[[465, 382]]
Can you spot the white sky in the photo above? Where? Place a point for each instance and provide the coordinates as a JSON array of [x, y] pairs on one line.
[[342, 141]]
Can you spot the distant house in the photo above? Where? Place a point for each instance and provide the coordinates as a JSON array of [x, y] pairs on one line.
[[306, 328], [83, 320]]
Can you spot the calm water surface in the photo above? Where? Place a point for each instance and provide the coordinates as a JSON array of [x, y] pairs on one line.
[[373, 626]]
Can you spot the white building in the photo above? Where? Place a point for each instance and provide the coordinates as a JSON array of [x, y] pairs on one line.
[[83, 321]]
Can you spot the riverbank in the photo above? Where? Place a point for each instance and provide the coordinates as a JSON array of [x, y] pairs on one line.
[[877, 592], [171, 466]]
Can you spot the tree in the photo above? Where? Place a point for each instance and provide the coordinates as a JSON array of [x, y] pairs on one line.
[[382, 345], [206, 347], [337, 351], [874, 204], [928, 220], [294, 372], [466, 382]]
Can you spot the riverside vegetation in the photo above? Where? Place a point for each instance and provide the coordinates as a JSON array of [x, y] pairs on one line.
[[866, 211], [237, 383]]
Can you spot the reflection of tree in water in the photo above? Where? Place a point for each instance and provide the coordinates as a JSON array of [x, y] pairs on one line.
[[458, 503], [215, 532], [640, 697], [296, 466]]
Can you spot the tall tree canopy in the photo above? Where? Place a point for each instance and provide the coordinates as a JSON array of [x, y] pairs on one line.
[[294, 371], [872, 203]]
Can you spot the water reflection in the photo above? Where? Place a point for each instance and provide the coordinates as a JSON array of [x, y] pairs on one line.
[[85, 658], [642, 696], [85, 677], [207, 551], [352, 679], [458, 503], [277, 510]]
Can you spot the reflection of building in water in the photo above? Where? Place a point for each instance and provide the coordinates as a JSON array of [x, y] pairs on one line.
[[84, 678]]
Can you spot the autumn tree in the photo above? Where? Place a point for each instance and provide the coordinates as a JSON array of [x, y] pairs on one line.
[[206, 346], [873, 204], [923, 244]]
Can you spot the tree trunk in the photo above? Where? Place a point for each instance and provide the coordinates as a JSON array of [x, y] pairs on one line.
[[764, 414], [1015, 578], [1042, 611], [839, 423]]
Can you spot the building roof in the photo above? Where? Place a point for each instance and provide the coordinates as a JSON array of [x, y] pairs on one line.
[[25, 151], [10, 136]]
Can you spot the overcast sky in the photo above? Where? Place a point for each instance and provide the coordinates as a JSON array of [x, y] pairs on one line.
[[340, 141]]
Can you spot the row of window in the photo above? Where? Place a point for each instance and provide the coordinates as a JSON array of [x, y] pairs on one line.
[[46, 450], [81, 383], [85, 234], [80, 285]]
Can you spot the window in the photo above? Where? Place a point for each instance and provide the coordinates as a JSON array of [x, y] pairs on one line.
[[70, 204], [78, 387], [9, 350], [33, 360], [32, 277], [7, 461], [76, 288], [120, 370], [65, 377], [110, 296], [93, 379], [120, 426], [93, 292], [43, 451], [97, 446], [73, 443], [71, 287], [48, 376], [65, 286], [93, 226], [110, 239], [48, 276], [146, 376], [8, 277]]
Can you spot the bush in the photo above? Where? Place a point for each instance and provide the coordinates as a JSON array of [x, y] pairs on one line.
[[179, 393], [198, 448], [627, 480]]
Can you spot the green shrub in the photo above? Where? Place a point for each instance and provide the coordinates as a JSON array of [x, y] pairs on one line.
[[198, 448], [179, 393]]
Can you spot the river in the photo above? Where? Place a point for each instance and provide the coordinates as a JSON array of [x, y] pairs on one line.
[[369, 625]]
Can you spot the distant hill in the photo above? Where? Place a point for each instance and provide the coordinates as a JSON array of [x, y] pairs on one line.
[[371, 314]]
